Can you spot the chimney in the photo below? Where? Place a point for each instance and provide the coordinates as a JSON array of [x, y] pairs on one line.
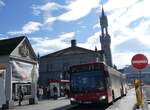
[[73, 43]]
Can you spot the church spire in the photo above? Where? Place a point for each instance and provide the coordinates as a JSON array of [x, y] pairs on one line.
[[103, 22], [105, 38], [103, 13]]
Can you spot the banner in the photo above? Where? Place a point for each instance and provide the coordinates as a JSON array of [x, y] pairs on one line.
[[35, 74], [22, 71]]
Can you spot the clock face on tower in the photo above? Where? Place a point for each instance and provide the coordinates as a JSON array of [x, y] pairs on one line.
[[23, 50]]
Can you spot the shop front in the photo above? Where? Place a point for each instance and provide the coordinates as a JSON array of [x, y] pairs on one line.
[[61, 85], [21, 68], [22, 78]]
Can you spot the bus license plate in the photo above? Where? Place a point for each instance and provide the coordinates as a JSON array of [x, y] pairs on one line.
[[87, 102]]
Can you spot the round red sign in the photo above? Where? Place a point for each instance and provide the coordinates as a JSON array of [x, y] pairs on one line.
[[139, 61]]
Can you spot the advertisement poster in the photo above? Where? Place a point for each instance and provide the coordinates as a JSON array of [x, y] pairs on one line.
[[22, 71]]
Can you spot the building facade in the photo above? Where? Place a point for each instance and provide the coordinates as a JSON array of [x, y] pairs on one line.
[[55, 66], [18, 60]]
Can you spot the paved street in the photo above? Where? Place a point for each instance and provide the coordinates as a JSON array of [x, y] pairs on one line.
[[126, 103]]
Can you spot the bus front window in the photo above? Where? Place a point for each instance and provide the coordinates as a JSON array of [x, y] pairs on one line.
[[87, 81]]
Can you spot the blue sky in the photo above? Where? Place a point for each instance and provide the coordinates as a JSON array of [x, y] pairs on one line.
[[51, 24]]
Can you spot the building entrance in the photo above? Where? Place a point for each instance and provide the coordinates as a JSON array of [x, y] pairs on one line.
[[26, 87]]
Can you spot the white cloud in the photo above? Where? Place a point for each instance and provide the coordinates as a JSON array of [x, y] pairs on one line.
[[121, 14], [125, 13], [45, 9], [91, 42], [50, 20], [96, 26], [67, 35], [28, 28], [31, 27], [78, 9], [2, 3], [74, 10], [45, 45], [122, 59]]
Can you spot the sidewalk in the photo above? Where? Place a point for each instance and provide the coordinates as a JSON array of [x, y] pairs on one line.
[[145, 103], [126, 103], [43, 105]]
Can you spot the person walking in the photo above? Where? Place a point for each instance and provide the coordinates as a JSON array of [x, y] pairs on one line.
[[40, 93], [48, 92], [55, 92], [20, 95]]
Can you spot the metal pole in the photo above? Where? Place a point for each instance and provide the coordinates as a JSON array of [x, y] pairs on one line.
[[140, 78]]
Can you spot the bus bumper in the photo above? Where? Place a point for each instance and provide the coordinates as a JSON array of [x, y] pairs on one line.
[[101, 100]]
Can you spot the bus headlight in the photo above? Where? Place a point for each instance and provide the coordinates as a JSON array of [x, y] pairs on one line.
[[72, 99], [102, 97]]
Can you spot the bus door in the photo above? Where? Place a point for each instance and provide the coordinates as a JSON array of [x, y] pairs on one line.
[[2, 88], [108, 88]]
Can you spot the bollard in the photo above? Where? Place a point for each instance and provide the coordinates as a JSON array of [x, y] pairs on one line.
[[138, 93]]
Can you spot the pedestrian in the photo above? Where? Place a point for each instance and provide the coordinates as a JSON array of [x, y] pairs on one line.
[[40, 93], [68, 93], [20, 95], [55, 91], [48, 92], [62, 91]]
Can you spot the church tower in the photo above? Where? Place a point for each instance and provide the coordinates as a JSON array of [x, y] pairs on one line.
[[105, 38]]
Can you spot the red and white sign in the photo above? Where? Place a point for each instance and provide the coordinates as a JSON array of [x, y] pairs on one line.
[[139, 61]]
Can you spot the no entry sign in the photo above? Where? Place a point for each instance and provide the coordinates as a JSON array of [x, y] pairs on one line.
[[139, 61]]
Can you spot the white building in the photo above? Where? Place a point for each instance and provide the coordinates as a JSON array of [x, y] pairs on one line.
[[20, 62]]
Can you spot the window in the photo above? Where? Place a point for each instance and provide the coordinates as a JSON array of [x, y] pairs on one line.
[[49, 67], [82, 81], [65, 66]]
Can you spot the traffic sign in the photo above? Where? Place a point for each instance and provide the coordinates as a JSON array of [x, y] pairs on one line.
[[139, 61]]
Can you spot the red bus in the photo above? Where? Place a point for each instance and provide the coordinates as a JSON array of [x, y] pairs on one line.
[[95, 83]]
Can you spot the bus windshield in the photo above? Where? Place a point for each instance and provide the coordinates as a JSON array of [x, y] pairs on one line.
[[87, 81]]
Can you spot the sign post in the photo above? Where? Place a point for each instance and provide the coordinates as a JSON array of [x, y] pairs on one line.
[[139, 61]]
